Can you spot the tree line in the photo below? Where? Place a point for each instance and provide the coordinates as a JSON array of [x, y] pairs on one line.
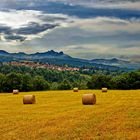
[[38, 79], [123, 81]]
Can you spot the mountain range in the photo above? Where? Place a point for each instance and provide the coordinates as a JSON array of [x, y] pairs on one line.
[[59, 58]]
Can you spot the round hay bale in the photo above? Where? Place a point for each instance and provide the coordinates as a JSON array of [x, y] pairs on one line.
[[104, 89], [29, 99], [15, 91], [89, 99], [75, 89]]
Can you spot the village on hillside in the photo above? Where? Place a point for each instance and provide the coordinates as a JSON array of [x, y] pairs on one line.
[[40, 65]]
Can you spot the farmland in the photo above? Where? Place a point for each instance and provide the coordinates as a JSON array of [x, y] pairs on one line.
[[60, 115]]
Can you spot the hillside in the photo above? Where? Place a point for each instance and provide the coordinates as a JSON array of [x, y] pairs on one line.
[[59, 58], [118, 63]]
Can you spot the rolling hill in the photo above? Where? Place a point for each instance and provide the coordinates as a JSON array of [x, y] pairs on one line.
[[59, 58]]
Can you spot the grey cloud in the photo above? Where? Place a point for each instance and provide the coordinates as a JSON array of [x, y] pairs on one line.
[[35, 3], [52, 19], [22, 31], [34, 28], [15, 38], [5, 29], [60, 38], [30, 29]]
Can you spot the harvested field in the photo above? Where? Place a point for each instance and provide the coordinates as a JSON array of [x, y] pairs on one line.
[[60, 115]]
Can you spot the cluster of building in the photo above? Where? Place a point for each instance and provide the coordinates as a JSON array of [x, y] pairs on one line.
[[40, 65]]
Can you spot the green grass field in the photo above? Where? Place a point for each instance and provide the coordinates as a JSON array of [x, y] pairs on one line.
[[60, 115]]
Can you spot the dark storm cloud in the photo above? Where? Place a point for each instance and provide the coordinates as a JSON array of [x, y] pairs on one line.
[[15, 38], [34, 28], [121, 8], [5, 29], [30, 29]]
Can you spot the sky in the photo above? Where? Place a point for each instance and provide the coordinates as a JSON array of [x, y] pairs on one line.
[[81, 28]]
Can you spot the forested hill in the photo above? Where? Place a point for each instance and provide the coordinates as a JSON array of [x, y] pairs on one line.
[[37, 79]]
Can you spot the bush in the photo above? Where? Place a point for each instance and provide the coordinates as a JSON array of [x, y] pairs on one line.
[[65, 85], [39, 83], [98, 81]]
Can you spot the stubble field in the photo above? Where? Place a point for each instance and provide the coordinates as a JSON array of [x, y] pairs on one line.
[[60, 115]]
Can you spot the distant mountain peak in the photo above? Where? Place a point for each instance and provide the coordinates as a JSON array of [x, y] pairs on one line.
[[114, 59], [19, 53], [43, 54], [49, 53], [3, 52], [62, 58], [55, 53], [110, 60], [52, 51], [61, 53]]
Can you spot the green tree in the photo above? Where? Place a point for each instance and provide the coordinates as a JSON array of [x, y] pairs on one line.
[[98, 81], [134, 80], [65, 85], [39, 83], [13, 81], [27, 83], [2, 81]]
